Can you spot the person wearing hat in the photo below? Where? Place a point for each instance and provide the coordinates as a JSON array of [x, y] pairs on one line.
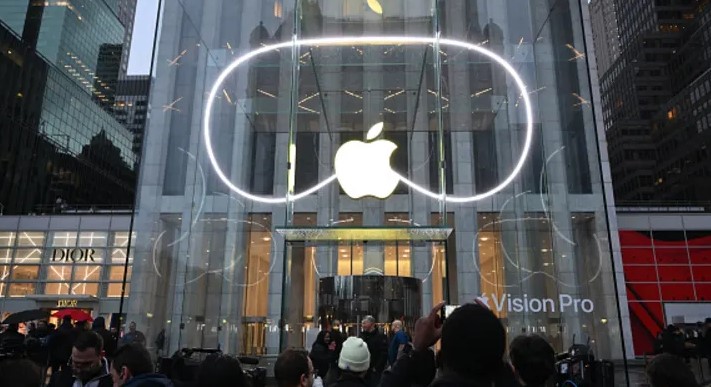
[[354, 362]]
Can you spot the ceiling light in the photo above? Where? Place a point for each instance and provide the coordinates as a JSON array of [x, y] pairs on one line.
[[484, 239]]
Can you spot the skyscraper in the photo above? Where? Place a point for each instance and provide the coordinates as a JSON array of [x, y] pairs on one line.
[[662, 56], [59, 135], [606, 39]]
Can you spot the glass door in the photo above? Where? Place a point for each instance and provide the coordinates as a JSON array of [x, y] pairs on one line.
[[329, 283]]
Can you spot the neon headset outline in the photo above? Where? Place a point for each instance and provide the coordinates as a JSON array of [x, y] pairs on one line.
[[371, 41]]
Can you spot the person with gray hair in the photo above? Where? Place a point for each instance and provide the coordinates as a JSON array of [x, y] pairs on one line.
[[398, 342], [377, 347]]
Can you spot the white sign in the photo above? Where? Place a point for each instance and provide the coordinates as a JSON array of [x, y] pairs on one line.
[[563, 303], [363, 168]]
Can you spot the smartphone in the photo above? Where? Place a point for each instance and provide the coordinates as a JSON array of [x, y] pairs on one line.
[[447, 311]]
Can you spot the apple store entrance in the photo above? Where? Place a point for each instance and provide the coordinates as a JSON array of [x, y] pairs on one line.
[[336, 276]]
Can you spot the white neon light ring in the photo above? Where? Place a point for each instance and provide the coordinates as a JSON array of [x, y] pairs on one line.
[[371, 41]]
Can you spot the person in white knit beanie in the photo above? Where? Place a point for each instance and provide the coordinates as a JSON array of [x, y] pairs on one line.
[[353, 362]]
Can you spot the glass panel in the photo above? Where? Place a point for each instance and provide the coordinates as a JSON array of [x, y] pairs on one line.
[[114, 290], [18, 289], [7, 239], [5, 255], [83, 273], [25, 273], [93, 239], [257, 269], [59, 273], [28, 255], [116, 273], [64, 239], [54, 288], [85, 288], [118, 255], [4, 272], [33, 239], [121, 239]]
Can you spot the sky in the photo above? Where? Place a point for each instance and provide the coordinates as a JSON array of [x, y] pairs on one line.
[[139, 61]]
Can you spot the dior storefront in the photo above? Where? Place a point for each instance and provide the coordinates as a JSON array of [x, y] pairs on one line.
[[64, 261], [309, 160]]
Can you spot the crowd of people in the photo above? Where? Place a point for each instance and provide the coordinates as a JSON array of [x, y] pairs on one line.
[[70, 352], [83, 357]]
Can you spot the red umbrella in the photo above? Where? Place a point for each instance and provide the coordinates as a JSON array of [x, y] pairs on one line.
[[75, 314]]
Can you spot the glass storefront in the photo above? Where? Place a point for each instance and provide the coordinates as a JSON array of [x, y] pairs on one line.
[[254, 234], [63, 263]]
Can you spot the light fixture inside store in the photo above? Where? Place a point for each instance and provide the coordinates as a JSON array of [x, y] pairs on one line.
[[484, 239], [368, 41]]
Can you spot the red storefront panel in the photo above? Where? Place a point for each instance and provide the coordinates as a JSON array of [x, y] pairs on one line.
[[678, 292], [700, 255], [634, 238], [674, 273], [643, 292], [702, 273], [666, 256], [637, 273], [637, 255], [703, 291]]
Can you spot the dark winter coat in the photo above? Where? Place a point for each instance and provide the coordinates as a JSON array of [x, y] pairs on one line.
[[378, 348], [321, 357], [349, 380]]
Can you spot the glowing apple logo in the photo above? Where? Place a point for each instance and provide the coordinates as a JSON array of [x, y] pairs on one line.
[[363, 168]]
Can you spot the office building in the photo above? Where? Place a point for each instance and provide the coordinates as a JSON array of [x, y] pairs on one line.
[[653, 152], [606, 40], [131, 106], [67, 164], [252, 236], [60, 142]]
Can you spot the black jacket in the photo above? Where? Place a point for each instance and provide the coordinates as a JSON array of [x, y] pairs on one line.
[[347, 380], [64, 378], [109, 341], [378, 348], [418, 369], [322, 358], [60, 344]]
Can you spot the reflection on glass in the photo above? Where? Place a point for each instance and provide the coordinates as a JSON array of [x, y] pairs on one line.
[[490, 256], [257, 268]]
